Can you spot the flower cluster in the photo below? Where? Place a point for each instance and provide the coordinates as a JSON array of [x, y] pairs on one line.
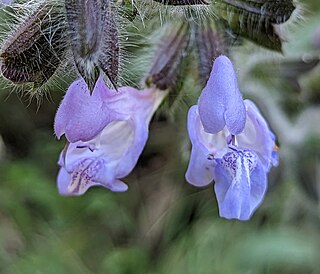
[[231, 144], [107, 131]]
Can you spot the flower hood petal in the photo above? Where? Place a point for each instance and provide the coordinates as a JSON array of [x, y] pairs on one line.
[[220, 103], [82, 116]]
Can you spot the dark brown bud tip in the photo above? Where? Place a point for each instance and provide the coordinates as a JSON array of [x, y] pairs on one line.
[[169, 55], [35, 49]]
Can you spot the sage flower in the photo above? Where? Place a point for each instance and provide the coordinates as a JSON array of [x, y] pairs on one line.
[[234, 150], [107, 132]]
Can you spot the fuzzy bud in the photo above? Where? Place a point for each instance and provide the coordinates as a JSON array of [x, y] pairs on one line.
[[109, 56], [210, 44], [94, 39], [34, 50], [168, 59]]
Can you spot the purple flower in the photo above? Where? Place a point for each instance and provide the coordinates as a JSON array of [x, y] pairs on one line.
[[238, 163], [107, 133]]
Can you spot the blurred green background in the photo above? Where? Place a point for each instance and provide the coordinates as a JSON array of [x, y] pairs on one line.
[[162, 224]]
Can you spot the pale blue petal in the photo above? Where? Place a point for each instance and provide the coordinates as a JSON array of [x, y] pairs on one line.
[[4, 3], [240, 184], [200, 169], [220, 103], [130, 157], [258, 186], [118, 186], [63, 181], [199, 172], [258, 137], [274, 153]]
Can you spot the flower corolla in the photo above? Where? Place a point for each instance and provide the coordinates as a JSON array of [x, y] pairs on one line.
[[106, 131], [231, 144]]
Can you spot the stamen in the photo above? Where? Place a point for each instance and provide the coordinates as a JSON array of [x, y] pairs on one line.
[[210, 157], [233, 140], [90, 147]]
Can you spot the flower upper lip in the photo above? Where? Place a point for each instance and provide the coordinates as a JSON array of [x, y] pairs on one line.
[[220, 103]]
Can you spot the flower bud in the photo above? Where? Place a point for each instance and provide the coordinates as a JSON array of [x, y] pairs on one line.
[[109, 56], [33, 52], [169, 56], [210, 44], [94, 39]]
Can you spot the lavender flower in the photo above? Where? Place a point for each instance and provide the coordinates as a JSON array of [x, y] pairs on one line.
[[237, 157], [107, 133]]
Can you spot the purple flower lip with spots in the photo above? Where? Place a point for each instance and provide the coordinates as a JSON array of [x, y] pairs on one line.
[[106, 131], [237, 158]]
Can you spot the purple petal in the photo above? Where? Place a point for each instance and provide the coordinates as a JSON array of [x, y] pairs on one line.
[[220, 103], [109, 156], [118, 186], [113, 152], [133, 102], [240, 184], [82, 116], [63, 181], [5, 2], [83, 175], [131, 133], [199, 172], [130, 158], [86, 173]]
